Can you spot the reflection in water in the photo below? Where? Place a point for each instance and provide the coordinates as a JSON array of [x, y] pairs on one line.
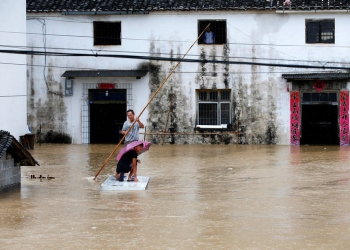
[[198, 197]]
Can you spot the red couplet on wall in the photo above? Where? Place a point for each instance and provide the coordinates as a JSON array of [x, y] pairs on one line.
[[344, 117], [294, 118]]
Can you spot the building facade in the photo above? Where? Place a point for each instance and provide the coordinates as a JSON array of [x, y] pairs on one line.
[[272, 72], [13, 84]]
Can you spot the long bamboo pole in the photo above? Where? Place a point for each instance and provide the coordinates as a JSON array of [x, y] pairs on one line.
[[143, 110], [167, 119]]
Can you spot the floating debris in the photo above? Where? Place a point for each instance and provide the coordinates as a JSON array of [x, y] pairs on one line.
[[32, 176]]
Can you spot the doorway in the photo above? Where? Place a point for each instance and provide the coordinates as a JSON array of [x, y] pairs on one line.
[[319, 124], [107, 114]]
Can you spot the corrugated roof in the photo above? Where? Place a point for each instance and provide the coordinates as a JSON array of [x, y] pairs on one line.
[[317, 76], [139, 6], [105, 73], [20, 155]]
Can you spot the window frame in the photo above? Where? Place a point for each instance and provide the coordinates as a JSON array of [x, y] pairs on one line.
[[321, 31], [103, 29], [219, 28], [218, 103], [311, 98]]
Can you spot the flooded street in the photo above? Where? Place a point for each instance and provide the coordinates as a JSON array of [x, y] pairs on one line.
[[198, 197]]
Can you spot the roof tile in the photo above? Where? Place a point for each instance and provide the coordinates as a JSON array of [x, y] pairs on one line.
[[179, 5]]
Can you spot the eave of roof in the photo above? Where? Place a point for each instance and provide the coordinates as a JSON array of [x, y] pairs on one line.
[[141, 6], [9, 144], [317, 76], [105, 73], [5, 141]]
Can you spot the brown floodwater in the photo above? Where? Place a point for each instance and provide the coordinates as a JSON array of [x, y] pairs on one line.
[[198, 197]]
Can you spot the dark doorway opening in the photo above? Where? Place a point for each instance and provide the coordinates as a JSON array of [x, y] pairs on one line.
[[107, 114], [319, 125]]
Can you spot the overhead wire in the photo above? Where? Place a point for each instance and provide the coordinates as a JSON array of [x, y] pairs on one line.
[[97, 53], [179, 72], [158, 53], [140, 39], [155, 58], [181, 41]]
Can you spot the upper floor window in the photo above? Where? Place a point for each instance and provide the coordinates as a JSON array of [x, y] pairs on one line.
[[107, 33], [215, 33], [214, 107], [320, 31]]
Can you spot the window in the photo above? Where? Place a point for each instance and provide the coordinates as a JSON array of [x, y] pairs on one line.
[[216, 33], [319, 31], [319, 97], [107, 33], [214, 107]]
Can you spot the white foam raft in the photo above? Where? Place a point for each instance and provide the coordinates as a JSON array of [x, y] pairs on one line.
[[111, 184]]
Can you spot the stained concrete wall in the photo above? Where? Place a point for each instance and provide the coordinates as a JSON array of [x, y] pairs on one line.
[[10, 175], [260, 100], [13, 85]]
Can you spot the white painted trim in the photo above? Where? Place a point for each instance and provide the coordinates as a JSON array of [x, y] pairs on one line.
[[212, 126]]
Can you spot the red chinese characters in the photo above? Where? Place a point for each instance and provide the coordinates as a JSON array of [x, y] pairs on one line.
[[319, 85], [294, 118], [344, 118]]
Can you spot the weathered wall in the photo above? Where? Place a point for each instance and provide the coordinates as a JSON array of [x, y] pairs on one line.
[[49, 111], [169, 110], [260, 101]]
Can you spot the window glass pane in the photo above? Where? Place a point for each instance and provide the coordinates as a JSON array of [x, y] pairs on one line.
[[324, 97], [225, 95], [220, 28], [327, 31], [202, 96], [213, 96], [315, 97], [225, 113], [332, 97], [208, 114], [312, 32], [306, 97]]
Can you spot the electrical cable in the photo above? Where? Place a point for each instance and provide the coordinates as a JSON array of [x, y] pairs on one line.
[[190, 55], [203, 61]]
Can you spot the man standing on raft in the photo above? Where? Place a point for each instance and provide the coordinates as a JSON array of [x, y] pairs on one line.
[[133, 134], [128, 163]]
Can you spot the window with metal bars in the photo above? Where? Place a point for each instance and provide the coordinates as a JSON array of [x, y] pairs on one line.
[[320, 31], [214, 107], [107, 33], [214, 34]]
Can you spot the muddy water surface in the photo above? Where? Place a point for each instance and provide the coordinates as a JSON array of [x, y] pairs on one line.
[[198, 197]]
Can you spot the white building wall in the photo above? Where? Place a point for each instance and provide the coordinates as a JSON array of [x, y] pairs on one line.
[[13, 91], [268, 37]]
